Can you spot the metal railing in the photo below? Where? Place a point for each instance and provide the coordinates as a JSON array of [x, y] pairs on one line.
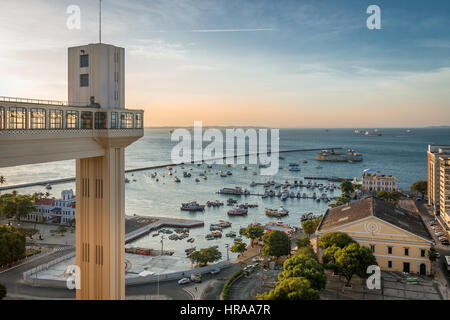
[[34, 101]]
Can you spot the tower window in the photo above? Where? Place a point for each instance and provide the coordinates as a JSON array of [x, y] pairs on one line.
[[84, 61], [84, 80]]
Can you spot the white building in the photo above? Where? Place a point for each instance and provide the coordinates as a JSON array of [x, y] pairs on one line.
[[374, 181], [58, 211]]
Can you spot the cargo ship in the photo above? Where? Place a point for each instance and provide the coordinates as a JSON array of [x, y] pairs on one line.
[[333, 156], [373, 134]]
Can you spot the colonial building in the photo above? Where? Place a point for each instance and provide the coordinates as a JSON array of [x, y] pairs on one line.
[[374, 181], [58, 211], [398, 238]]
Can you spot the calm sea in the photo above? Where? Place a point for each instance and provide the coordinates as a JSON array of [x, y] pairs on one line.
[[396, 152]]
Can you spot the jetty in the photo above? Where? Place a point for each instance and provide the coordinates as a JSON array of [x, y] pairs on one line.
[[150, 224], [73, 179]]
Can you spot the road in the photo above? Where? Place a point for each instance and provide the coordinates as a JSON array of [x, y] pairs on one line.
[[443, 250]]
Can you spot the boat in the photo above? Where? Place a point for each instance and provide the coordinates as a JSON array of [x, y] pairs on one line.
[[190, 250], [229, 173], [192, 206], [339, 156], [234, 191], [238, 212], [254, 173], [156, 234], [304, 161], [307, 216], [293, 164], [176, 179], [126, 181], [373, 134], [197, 180], [186, 174], [231, 234], [244, 167], [253, 184], [282, 212], [190, 240], [294, 169], [284, 196]]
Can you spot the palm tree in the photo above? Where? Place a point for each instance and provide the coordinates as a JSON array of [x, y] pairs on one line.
[[2, 180]]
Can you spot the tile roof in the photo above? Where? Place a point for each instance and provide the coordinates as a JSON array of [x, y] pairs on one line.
[[383, 210]]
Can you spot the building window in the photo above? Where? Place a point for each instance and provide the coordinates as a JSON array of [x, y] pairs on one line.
[[17, 117], [84, 80], [389, 250], [100, 120], [389, 264], [84, 61], [422, 252], [114, 120], [86, 120], [372, 248], [138, 121], [72, 119], [406, 251], [126, 120], [37, 119], [2, 118], [406, 267], [55, 119]]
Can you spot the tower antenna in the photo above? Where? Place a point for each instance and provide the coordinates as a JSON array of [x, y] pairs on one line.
[[100, 21]]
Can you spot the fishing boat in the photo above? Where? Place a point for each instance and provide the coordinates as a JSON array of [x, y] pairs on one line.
[[294, 169], [244, 167], [284, 196], [238, 212], [190, 240], [304, 161], [372, 134], [192, 206], [231, 234], [176, 180], [282, 212]]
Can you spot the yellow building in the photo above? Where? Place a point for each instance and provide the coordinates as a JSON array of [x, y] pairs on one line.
[[374, 181], [398, 238]]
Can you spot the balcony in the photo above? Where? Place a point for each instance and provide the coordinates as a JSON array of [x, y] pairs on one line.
[[48, 129]]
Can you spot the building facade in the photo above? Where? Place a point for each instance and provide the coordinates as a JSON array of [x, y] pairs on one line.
[[374, 181], [444, 189], [58, 211], [434, 175], [398, 239]]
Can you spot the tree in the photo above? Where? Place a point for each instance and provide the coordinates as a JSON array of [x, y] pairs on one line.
[[12, 245], [2, 180], [302, 242], [421, 187], [432, 256], [306, 267], [350, 260], [344, 199], [2, 291], [347, 188], [390, 196], [239, 247], [254, 232], [61, 230], [14, 205], [339, 239], [276, 243], [297, 288], [310, 226], [204, 256]]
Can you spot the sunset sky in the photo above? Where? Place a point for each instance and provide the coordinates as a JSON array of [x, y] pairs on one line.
[[274, 63]]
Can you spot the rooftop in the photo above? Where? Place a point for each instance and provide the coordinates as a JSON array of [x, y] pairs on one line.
[[383, 210]]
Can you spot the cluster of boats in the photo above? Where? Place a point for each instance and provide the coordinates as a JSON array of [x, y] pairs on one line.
[[214, 204], [214, 235], [282, 212], [284, 193], [294, 167], [225, 174]]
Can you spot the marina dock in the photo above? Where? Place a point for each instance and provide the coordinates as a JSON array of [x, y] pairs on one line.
[[67, 180], [150, 224]]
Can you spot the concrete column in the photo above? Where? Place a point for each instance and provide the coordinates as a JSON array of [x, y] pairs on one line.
[[100, 226]]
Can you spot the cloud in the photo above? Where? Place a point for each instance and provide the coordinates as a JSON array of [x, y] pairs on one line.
[[158, 49], [194, 67]]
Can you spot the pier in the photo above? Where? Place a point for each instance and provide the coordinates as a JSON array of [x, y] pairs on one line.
[[67, 180]]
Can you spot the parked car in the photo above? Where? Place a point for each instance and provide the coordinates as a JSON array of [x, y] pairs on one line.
[[184, 281], [445, 243], [215, 271], [248, 268]]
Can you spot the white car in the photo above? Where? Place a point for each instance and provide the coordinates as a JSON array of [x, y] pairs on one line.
[[184, 281], [215, 271]]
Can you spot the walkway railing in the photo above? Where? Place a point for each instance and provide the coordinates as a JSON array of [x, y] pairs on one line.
[[34, 101]]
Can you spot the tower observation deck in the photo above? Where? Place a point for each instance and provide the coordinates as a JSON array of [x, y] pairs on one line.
[[94, 128]]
